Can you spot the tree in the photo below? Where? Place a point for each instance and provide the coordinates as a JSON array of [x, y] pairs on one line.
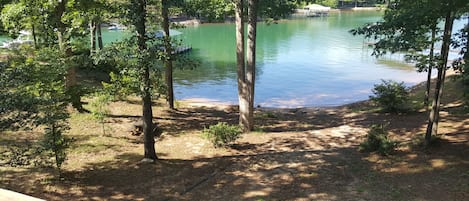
[[246, 66], [400, 31], [168, 59], [136, 62], [56, 18], [210, 10], [450, 9], [32, 94], [251, 60], [406, 28], [95, 12], [246, 76], [139, 21]]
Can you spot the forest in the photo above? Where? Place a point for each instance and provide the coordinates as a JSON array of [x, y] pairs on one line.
[[81, 119]]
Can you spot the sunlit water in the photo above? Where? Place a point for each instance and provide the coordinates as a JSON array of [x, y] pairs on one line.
[[300, 62]]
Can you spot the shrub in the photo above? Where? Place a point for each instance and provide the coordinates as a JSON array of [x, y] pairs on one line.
[[55, 143], [99, 108], [391, 96], [377, 140], [222, 134]]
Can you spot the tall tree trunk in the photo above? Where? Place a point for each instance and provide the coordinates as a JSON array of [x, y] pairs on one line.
[[45, 37], [466, 54], [432, 126], [71, 83], [243, 95], [168, 63], [33, 29], [92, 37], [251, 61], [430, 68], [148, 139], [99, 34]]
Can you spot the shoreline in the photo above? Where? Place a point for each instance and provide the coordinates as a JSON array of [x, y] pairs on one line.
[[212, 103]]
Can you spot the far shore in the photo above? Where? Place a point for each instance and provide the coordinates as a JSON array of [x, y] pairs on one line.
[[191, 21]]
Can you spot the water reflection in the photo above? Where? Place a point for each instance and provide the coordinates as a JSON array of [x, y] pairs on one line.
[[301, 62]]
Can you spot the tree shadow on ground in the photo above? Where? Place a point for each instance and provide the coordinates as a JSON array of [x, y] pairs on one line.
[[195, 119], [340, 173], [308, 165], [286, 120]]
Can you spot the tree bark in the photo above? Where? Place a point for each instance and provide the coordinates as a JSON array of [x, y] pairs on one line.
[[33, 29], [243, 90], [61, 27], [99, 34], [168, 63], [92, 37], [148, 135], [430, 68], [251, 62], [432, 126]]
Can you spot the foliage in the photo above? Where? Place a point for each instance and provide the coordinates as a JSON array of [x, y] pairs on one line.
[[13, 16], [391, 96], [99, 109], [32, 94], [335, 3], [276, 9], [329, 3], [219, 10], [55, 143], [125, 78], [222, 134], [461, 64], [399, 30], [377, 140], [211, 10]]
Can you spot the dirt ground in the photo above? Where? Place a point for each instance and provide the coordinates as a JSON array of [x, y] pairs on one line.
[[295, 154]]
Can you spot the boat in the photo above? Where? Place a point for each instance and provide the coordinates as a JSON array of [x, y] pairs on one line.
[[116, 27], [23, 38]]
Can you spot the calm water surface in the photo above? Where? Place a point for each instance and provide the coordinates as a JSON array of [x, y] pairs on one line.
[[300, 62]]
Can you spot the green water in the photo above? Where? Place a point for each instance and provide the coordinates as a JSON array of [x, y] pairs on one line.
[[300, 62]]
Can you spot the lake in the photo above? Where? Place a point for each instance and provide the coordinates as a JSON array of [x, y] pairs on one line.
[[300, 62]]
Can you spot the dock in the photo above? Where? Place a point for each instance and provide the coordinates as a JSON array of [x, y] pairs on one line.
[[178, 49], [182, 49]]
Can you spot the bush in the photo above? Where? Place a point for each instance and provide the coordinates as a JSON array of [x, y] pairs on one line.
[[99, 108], [391, 96], [222, 134], [377, 140]]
